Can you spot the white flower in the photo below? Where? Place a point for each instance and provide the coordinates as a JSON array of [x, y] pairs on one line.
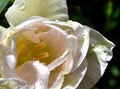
[[23, 9], [42, 49]]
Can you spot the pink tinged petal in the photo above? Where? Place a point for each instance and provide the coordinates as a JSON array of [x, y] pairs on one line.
[[74, 44], [63, 25], [30, 25], [100, 52], [66, 67], [56, 79], [31, 36], [49, 34], [35, 74], [63, 46], [73, 79], [58, 83], [83, 45], [58, 61], [78, 36], [60, 43]]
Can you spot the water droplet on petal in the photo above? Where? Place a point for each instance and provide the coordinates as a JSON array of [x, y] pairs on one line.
[[92, 45]]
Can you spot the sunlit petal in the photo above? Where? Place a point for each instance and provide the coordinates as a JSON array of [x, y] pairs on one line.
[[24, 9], [82, 34], [98, 56]]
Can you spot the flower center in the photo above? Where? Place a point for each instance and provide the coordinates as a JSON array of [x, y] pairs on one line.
[[39, 42], [30, 51]]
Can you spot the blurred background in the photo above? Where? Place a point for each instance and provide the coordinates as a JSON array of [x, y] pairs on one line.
[[102, 15]]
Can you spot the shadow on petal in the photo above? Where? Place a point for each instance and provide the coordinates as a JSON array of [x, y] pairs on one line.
[[93, 72], [73, 79], [99, 53]]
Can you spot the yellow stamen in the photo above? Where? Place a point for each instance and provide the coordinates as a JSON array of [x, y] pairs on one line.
[[42, 55]]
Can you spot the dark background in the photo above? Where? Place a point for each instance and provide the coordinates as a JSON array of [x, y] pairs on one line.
[[102, 15]]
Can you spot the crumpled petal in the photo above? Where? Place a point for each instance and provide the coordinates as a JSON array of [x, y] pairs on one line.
[[79, 36], [7, 55], [35, 74], [100, 52], [82, 35], [24, 9]]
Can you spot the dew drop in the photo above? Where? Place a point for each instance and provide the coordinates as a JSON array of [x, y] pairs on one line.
[[92, 45]]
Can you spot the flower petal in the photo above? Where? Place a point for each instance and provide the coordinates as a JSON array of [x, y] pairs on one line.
[[98, 56], [58, 61], [82, 35], [7, 55], [49, 34], [23, 9], [56, 79], [2, 29], [78, 36], [73, 79], [35, 74], [69, 62], [54, 36], [66, 66], [58, 82]]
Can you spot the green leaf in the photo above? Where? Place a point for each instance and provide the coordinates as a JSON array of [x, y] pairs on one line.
[[3, 4], [110, 25], [108, 9], [11, 1], [115, 71]]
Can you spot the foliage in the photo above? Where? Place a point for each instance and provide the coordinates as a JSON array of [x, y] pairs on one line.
[[3, 4]]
